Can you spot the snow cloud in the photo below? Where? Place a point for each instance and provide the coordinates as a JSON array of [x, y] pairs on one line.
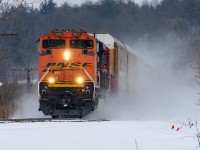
[[27, 105], [162, 84]]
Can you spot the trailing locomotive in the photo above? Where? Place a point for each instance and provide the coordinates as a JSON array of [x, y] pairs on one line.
[[76, 69]]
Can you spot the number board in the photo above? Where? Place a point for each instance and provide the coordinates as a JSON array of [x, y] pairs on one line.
[[76, 34], [59, 34]]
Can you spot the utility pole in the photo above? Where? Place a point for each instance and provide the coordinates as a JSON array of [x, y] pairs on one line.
[[28, 70]]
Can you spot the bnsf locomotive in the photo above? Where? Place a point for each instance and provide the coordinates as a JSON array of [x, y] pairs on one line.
[[76, 69]]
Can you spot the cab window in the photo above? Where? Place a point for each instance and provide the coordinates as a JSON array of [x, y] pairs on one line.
[[53, 43], [81, 44]]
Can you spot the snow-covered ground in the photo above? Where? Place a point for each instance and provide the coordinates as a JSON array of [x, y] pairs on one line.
[[109, 135]]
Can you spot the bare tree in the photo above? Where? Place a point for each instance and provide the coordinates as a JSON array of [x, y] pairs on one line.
[[9, 90]]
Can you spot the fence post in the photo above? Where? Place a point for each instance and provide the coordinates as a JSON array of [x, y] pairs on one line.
[[1, 95]]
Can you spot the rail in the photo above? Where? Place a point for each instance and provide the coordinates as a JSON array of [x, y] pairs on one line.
[[31, 120]]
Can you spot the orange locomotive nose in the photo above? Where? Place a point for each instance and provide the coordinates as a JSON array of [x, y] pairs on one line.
[[66, 54]]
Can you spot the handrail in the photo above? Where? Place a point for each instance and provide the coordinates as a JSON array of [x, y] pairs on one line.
[[44, 75], [92, 81]]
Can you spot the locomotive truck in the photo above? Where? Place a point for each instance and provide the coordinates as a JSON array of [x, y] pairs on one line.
[[77, 68]]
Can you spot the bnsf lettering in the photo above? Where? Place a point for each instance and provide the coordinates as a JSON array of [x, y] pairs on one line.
[[51, 64], [76, 64], [87, 64], [64, 65]]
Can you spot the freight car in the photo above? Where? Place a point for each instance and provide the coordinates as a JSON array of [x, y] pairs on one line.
[[77, 68]]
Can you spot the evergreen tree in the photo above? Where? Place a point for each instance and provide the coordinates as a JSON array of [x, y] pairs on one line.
[[47, 6]]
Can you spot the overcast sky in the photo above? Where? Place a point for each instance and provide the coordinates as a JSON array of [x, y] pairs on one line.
[[79, 2], [73, 2]]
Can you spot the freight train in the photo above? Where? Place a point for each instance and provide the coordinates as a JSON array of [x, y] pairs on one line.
[[77, 68]]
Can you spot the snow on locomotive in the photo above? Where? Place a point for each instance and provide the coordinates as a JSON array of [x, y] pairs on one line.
[[77, 68]]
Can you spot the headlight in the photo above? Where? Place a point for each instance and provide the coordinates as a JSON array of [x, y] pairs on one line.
[[79, 80], [67, 55], [51, 80]]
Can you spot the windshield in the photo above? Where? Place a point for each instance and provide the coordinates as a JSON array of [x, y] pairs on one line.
[[81, 44], [53, 43]]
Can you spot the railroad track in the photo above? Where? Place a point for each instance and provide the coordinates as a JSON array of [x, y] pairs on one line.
[[30, 120]]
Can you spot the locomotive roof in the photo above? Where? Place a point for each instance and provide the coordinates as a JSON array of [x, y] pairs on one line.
[[109, 40], [106, 38]]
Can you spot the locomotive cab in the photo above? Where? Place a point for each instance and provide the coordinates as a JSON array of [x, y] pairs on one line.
[[71, 67]]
